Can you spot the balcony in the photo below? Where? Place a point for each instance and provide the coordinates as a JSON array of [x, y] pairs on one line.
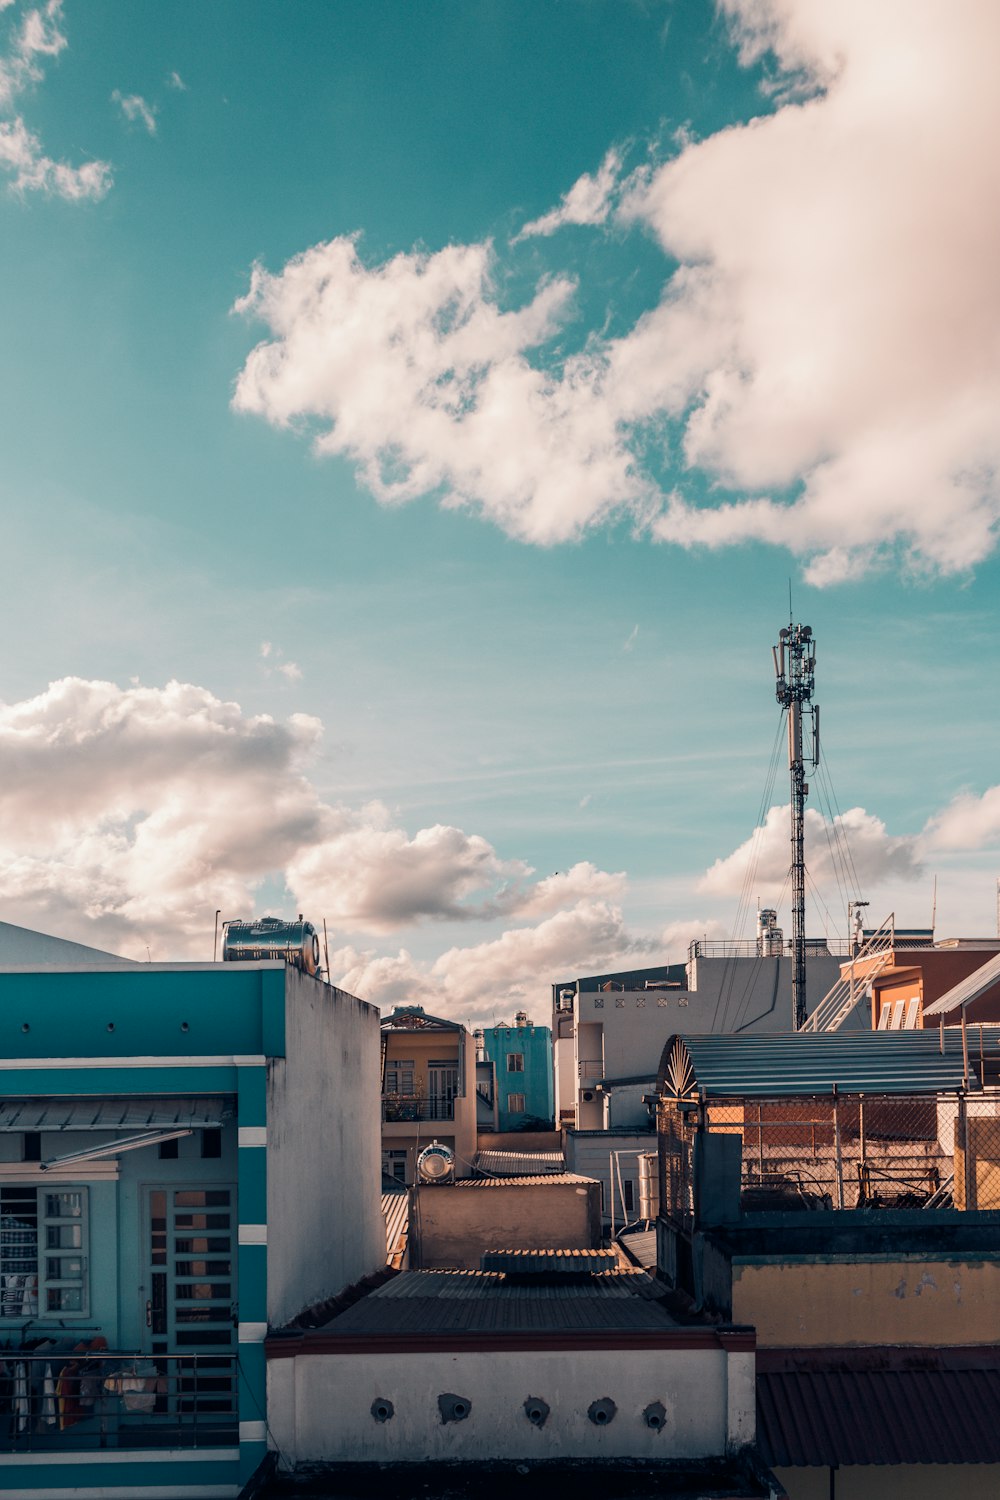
[[400, 1108], [61, 1402]]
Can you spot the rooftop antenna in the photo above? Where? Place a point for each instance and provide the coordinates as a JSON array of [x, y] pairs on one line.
[[795, 673]]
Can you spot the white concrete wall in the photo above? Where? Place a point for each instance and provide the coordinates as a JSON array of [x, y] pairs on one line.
[[591, 1156], [324, 1218], [319, 1406]]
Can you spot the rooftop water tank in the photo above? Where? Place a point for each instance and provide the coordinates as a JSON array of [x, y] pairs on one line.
[[270, 937], [436, 1163]]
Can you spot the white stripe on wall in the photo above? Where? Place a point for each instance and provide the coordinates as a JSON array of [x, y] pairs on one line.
[[253, 1234], [252, 1135]]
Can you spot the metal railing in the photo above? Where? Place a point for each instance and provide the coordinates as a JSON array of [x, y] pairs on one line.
[[402, 1107], [63, 1401], [748, 948], [875, 954]]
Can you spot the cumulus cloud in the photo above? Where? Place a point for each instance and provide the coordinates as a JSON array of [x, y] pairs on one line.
[[414, 371], [136, 110], [876, 855], [968, 822], [127, 816], [823, 351], [588, 201], [33, 36], [503, 973]]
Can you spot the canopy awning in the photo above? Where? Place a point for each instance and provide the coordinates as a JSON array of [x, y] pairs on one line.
[[769, 1065], [968, 989], [114, 1114]]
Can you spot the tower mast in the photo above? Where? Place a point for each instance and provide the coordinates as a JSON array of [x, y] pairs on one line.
[[795, 670]]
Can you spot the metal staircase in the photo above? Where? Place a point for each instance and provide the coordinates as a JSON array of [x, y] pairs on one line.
[[835, 1006]]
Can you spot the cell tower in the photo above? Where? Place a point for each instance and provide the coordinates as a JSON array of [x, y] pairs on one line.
[[795, 670]]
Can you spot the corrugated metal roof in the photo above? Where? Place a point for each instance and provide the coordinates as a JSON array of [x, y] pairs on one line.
[[886, 1413], [968, 989], [520, 1163], [550, 1179], [396, 1212], [436, 1302], [543, 1262], [640, 1247], [113, 1114], [794, 1063]]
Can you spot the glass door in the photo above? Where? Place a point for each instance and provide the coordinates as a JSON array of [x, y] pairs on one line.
[[442, 1086]]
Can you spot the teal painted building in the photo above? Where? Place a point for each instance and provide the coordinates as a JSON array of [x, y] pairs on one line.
[[188, 1157], [522, 1055]]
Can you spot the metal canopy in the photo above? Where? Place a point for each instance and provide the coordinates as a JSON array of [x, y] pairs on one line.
[[803, 1063], [114, 1114], [968, 989]]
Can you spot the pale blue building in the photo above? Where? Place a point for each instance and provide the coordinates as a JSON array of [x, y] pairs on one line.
[[189, 1155], [522, 1056]]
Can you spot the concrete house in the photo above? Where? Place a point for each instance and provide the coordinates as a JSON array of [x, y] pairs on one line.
[[522, 1057], [428, 1090], [188, 1154]]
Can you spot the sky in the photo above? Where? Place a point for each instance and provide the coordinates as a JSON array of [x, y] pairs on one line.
[[417, 421]]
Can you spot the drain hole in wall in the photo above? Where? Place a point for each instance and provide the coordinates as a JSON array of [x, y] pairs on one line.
[[453, 1408], [655, 1416], [536, 1410], [602, 1412], [382, 1409]]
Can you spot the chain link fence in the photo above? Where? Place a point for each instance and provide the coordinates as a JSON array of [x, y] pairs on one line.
[[841, 1152]]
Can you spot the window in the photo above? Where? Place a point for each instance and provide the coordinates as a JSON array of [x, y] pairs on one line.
[[169, 1150], [628, 1193], [399, 1077], [515, 1104], [515, 1062], [43, 1252], [394, 1163], [912, 1014], [31, 1145], [211, 1144]]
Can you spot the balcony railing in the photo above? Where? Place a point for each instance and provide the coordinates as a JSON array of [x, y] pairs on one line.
[[403, 1107], [64, 1402]]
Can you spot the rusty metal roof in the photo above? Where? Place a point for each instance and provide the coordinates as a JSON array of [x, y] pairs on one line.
[[549, 1262], [520, 1163], [878, 1406], [550, 1179]]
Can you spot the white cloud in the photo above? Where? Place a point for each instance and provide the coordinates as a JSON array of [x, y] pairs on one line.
[[505, 973], [841, 332], [271, 655], [632, 638], [876, 855], [968, 822], [588, 201], [824, 347], [127, 816], [175, 81], [412, 370], [22, 155], [136, 110]]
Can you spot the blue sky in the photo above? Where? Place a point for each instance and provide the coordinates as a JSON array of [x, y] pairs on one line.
[[553, 654]]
